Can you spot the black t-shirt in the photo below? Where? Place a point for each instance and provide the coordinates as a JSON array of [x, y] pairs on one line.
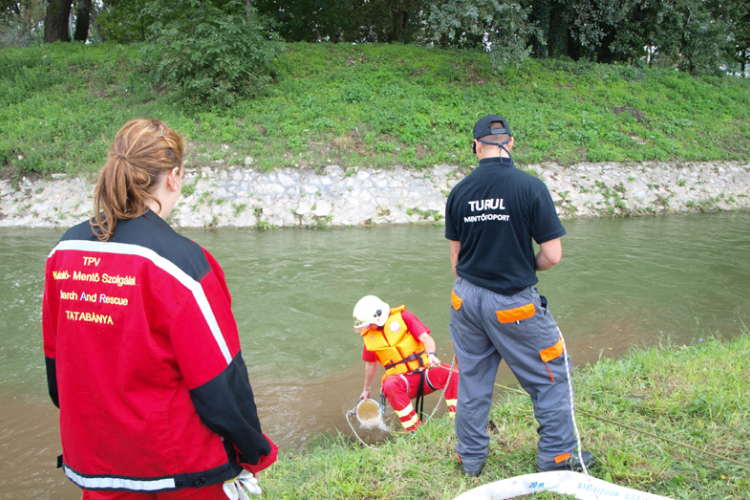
[[494, 213]]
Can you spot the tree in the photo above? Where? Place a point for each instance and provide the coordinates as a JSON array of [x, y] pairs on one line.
[[596, 24], [736, 16], [311, 20], [741, 36], [126, 21], [384, 21], [83, 17], [552, 18], [8, 10], [21, 21], [686, 34], [704, 40], [500, 27], [56, 22]]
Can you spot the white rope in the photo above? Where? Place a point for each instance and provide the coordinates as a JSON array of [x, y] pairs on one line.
[[573, 415], [442, 393], [348, 415]]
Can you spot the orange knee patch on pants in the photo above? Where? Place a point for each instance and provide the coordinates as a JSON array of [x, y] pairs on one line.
[[553, 352]]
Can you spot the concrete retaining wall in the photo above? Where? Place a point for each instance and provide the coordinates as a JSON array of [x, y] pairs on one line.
[[243, 197]]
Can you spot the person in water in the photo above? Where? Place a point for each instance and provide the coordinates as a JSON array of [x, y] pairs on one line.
[[142, 350], [402, 344], [491, 217]]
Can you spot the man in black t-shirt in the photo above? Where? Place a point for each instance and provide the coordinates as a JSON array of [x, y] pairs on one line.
[[491, 218]]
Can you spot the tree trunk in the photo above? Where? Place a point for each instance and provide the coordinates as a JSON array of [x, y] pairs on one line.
[[83, 19], [404, 25], [56, 22]]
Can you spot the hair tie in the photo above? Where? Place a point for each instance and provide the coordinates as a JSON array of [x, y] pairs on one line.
[[122, 157]]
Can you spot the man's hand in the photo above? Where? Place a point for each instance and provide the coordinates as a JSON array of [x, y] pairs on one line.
[[365, 395]]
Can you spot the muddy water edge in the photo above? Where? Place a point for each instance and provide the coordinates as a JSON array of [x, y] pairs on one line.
[[621, 283]]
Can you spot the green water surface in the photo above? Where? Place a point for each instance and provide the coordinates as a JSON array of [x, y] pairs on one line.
[[621, 282]]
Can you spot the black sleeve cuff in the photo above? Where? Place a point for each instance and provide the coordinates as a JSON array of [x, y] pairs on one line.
[[226, 405], [52, 379]]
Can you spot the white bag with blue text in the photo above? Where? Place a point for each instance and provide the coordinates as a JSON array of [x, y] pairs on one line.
[[563, 482]]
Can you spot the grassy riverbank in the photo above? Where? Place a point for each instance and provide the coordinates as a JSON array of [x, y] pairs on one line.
[[369, 105], [696, 394]]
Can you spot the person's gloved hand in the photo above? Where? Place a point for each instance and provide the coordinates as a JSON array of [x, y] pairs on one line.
[[433, 360], [243, 485]]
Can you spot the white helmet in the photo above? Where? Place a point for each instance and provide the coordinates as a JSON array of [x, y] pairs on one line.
[[370, 309]]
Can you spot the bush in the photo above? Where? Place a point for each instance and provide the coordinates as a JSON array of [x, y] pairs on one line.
[[211, 54]]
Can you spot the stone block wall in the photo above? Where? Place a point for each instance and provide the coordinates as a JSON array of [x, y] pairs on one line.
[[244, 197]]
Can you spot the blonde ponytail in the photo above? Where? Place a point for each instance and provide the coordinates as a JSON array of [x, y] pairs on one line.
[[143, 151]]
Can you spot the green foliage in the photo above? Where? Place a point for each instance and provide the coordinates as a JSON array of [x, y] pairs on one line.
[[125, 21], [210, 54], [700, 36], [359, 21], [703, 47], [188, 189], [370, 106], [239, 208], [58, 101], [21, 22], [594, 20], [501, 26]]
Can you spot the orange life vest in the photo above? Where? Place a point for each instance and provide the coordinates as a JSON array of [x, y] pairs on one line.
[[395, 347]]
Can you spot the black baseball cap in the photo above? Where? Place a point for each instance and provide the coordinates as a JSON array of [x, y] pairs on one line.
[[483, 126]]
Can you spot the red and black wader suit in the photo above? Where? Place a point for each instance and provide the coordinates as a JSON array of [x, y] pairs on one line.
[[406, 373]]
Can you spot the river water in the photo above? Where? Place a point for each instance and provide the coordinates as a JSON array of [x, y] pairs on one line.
[[621, 282]]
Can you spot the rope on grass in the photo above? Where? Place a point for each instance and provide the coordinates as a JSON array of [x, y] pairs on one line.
[[573, 415], [641, 431], [442, 393], [348, 415]]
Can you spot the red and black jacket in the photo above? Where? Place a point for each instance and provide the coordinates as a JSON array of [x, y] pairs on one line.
[[143, 360]]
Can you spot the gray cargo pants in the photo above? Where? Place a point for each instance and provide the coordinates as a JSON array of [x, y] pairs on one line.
[[487, 327]]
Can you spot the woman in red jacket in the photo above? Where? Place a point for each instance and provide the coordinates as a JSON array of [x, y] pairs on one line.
[[142, 350]]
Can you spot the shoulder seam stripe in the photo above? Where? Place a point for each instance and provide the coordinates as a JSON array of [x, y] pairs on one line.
[[164, 264]]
